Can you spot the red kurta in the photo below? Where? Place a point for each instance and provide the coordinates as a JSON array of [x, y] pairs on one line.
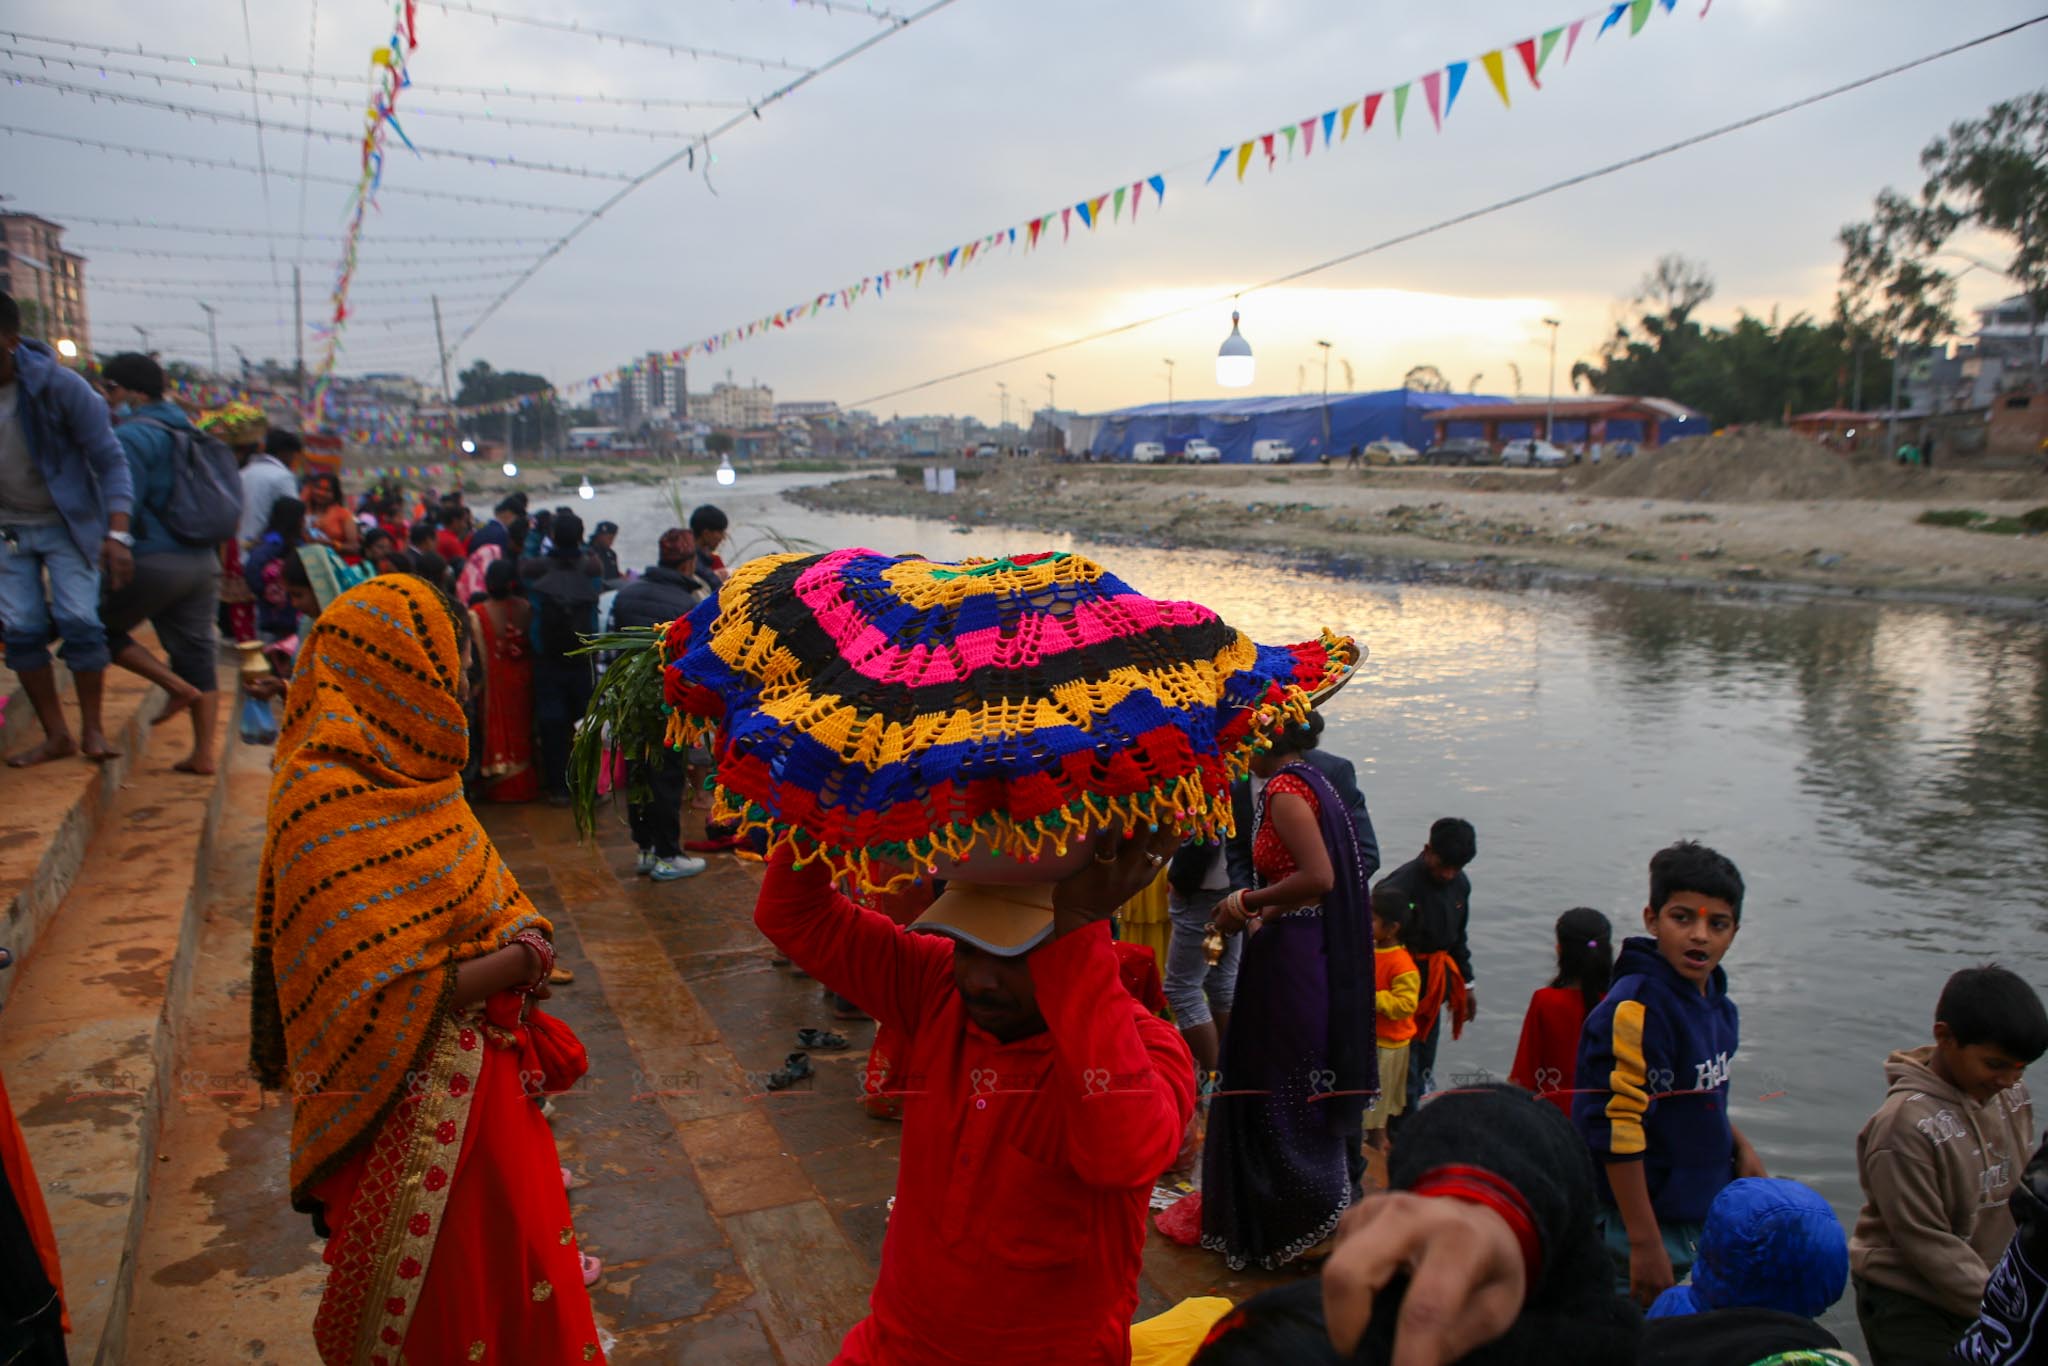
[[1026, 1169], [1548, 1055]]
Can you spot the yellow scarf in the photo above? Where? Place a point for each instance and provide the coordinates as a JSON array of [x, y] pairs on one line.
[[377, 879]]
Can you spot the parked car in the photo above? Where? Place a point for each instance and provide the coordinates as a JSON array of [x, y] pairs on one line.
[[1461, 450], [1149, 453], [986, 452], [1272, 453], [1200, 452], [1391, 452], [1530, 453]]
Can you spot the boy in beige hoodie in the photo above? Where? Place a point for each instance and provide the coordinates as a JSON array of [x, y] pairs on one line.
[[1938, 1161]]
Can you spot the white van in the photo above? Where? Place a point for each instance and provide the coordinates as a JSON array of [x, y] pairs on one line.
[[1149, 453], [1200, 452], [1272, 453]]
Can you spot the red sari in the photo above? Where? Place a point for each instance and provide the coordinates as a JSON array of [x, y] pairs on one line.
[[508, 769], [451, 1239]]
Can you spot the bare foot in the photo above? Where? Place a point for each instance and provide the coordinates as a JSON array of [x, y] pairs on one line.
[[55, 747], [97, 748], [175, 705], [192, 763]]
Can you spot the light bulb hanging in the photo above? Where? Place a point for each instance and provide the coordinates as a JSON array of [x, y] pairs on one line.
[[727, 476], [1235, 367]]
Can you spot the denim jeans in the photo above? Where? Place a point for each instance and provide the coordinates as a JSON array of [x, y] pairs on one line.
[[70, 612], [1194, 986]]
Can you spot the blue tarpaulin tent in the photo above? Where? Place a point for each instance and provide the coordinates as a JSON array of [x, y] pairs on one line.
[[1233, 424]]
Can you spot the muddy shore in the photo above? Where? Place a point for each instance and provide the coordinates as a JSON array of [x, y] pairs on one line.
[[1511, 528]]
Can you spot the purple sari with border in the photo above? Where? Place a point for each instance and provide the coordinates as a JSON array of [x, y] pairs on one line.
[[1300, 1061]]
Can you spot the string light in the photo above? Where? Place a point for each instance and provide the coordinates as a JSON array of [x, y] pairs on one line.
[[673, 49], [775, 96], [497, 161], [210, 230], [483, 91], [218, 165], [84, 248], [336, 101]]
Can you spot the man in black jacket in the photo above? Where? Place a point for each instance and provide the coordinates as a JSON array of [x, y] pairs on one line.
[[666, 591], [1440, 897]]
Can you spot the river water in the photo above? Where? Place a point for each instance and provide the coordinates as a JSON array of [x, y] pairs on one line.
[[1879, 774]]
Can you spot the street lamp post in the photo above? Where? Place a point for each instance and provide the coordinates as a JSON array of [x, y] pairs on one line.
[[1550, 411], [1050, 401], [212, 335], [1169, 404], [1326, 395]]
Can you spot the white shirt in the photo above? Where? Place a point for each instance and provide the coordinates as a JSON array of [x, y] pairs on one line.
[[264, 480]]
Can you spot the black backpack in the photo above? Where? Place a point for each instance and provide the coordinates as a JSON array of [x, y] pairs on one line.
[[205, 503]]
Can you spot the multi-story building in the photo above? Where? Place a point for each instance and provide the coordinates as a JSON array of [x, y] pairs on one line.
[[733, 407], [46, 280], [654, 391]]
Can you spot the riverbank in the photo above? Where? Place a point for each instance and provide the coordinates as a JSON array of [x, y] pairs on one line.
[[1516, 528]]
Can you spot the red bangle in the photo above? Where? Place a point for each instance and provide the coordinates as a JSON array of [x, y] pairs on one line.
[[542, 949], [1477, 1186]]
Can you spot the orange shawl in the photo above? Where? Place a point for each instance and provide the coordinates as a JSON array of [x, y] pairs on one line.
[[377, 879]]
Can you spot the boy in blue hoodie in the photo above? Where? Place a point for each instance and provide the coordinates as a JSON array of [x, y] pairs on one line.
[[1652, 1089]]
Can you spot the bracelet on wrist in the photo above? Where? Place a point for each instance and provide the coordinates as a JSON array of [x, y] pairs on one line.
[[1478, 1186]]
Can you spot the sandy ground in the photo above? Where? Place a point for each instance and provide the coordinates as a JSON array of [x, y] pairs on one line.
[[1510, 524]]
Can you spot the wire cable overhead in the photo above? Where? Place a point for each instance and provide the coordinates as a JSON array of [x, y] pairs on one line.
[[673, 49]]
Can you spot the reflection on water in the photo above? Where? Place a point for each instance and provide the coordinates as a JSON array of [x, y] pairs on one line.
[[1880, 774]]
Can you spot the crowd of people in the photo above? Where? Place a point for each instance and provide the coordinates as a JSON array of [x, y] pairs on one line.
[[1601, 1206]]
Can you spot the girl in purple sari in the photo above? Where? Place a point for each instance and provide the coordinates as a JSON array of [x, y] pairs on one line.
[[1300, 1059]]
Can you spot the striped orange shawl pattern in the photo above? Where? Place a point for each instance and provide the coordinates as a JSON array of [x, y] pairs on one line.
[[377, 879]]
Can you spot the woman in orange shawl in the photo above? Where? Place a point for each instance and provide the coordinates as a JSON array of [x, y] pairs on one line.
[[394, 960]]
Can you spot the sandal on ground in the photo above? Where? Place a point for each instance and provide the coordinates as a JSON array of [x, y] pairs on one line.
[[561, 977], [824, 1040], [794, 1069]]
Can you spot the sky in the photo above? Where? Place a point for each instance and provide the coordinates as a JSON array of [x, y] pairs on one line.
[[976, 118]]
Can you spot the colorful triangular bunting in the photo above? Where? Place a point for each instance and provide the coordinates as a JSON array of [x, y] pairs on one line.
[[1496, 71]]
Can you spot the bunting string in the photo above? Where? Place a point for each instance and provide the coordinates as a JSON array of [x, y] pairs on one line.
[[387, 81], [1440, 88], [1029, 235]]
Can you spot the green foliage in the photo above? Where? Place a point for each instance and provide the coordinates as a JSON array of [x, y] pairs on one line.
[[719, 443], [1425, 379], [1752, 372], [625, 716], [2032, 522], [481, 384]]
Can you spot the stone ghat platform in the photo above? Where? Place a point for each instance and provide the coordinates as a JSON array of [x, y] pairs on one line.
[[736, 1224]]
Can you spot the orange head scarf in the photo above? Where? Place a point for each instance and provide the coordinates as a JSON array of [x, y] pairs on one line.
[[377, 879]]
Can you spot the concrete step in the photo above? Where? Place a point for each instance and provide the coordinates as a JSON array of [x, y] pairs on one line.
[[224, 1270], [92, 1020], [52, 811]]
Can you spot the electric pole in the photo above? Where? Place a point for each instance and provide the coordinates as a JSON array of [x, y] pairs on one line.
[[441, 345], [1004, 390], [143, 332], [212, 335], [1550, 410], [1169, 403], [1050, 400], [1326, 395], [299, 340]]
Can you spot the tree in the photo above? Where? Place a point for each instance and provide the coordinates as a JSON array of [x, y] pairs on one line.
[[1988, 175], [1425, 379], [719, 443], [1756, 371], [1992, 174], [531, 422]]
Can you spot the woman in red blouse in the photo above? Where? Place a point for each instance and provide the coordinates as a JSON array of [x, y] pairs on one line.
[[1548, 1054], [1301, 1057]]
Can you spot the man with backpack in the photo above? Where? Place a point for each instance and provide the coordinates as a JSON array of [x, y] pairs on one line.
[[562, 586], [64, 496], [187, 501]]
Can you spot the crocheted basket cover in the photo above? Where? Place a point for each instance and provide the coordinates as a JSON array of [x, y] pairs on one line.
[[881, 712]]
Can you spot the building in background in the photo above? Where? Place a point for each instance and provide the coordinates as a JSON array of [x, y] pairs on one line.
[[654, 393], [46, 280], [732, 407]]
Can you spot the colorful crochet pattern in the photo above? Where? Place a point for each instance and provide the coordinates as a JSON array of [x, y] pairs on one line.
[[376, 879], [235, 422], [880, 713]]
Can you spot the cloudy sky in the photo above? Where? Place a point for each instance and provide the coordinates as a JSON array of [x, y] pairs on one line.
[[976, 118]]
